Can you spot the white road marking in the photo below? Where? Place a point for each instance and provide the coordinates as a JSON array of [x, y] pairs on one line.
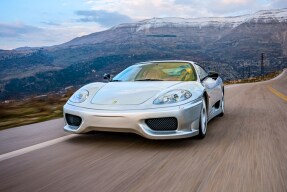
[[34, 147]]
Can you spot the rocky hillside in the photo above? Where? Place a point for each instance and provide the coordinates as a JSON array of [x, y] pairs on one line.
[[230, 45]]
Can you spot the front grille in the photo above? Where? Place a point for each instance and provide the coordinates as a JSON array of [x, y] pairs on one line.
[[73, 120], [162, 124]]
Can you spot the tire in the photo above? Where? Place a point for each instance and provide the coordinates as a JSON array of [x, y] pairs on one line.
[[222, 105], [203, 120]]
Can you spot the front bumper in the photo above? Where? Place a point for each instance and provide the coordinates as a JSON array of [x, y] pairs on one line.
[[133, 121]]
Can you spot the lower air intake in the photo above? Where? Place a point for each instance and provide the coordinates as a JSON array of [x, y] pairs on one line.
[[162, 124], [73, 120]]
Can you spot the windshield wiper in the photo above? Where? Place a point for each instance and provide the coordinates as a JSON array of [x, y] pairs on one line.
[[149, 80], [116, 80]]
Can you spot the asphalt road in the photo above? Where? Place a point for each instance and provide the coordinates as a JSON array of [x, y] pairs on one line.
[[246, 150]]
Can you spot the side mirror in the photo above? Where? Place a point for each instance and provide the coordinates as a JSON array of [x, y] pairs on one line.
[[213, 75], [107, 76]]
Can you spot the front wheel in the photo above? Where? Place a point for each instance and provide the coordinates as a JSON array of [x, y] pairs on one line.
[[203, 121]]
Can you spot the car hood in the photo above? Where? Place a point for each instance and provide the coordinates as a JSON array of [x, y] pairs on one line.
[[129, 93]]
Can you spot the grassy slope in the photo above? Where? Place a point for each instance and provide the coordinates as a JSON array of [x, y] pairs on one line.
[[35, 110]]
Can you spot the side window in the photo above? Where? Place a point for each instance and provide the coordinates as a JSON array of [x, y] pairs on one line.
[[201, 72]]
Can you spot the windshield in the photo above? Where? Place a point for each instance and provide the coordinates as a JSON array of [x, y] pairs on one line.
[[170, 71]]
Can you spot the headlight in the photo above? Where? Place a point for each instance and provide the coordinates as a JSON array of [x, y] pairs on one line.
[[79, 96], [173, 97]]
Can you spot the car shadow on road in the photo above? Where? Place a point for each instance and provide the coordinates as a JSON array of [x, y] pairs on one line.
[[108, 139]]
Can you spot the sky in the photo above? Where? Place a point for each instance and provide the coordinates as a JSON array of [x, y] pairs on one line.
[[36, 23]]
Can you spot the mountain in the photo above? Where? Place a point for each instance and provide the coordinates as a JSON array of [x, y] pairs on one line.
[[229, 45]]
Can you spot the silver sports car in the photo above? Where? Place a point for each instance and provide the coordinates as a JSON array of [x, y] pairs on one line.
[[155, 99]]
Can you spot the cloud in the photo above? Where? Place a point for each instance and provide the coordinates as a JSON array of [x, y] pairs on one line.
[[47, 35], [143, 9], [17, 29], [279, 4], [220, 7], [235, 1], [105, 18]]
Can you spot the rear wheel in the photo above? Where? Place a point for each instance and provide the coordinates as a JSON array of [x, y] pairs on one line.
[[222, 107], [203, 121]]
